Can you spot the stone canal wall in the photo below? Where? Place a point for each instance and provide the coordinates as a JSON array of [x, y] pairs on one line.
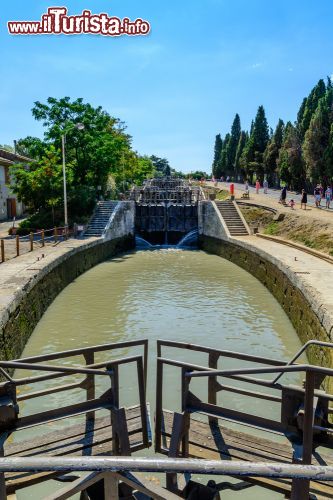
[[301, 299], [29, 284]]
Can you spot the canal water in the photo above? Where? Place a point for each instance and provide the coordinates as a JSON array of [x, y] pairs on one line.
[[172, 294]]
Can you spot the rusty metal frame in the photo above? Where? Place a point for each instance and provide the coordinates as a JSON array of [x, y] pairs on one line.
[[190, 403]]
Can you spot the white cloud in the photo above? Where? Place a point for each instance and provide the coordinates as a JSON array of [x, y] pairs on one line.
[[257, 65]]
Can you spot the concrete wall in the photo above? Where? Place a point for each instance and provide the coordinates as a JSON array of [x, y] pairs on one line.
[[299, 304], [29, 293], [122, 221], [210, 222]]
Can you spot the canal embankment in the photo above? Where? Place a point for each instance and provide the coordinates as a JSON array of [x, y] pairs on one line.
[[30, 283], [301, 283]]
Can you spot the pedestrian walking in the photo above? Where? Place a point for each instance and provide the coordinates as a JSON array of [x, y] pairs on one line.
[[283, 195], [317, 195], [328, 197], [265, 186], [304, 199], [257, 186]]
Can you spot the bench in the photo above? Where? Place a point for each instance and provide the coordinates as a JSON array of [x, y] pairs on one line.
[[246, 195]]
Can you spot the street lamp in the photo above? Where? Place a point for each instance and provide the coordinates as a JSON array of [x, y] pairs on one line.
[[78, 126]]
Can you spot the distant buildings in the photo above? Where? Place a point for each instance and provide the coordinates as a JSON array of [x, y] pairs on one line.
[[9, 205]]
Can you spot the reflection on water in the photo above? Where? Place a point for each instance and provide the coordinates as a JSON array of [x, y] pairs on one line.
[[170, 294]]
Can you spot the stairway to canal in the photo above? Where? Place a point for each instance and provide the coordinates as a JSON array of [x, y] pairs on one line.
[[232, 218], [101, 218]]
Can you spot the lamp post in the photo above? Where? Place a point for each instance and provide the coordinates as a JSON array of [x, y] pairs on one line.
[[78, 126]]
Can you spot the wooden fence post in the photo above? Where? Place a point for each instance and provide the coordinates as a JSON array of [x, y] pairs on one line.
[[43, 237], [17, 245], [2, 250], [31, 242]]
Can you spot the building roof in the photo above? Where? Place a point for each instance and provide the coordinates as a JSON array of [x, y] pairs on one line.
[[8, 158]]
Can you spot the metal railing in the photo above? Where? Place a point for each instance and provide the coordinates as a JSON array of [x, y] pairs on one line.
[[304, 410], [12, 247], [20, 389], [112, 470]]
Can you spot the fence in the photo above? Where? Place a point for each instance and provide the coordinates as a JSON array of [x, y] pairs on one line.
[[19, 245], [304, 411]]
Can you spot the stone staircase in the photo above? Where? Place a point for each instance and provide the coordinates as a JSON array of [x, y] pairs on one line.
[[100, 218], [231, 217]]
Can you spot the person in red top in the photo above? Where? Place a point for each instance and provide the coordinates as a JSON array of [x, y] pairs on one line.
[[257, 186]]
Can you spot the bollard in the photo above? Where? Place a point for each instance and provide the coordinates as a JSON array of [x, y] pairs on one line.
[[17, 245], [43, 237], [2, 250], [31, 242], [55, 234], [232, 191]]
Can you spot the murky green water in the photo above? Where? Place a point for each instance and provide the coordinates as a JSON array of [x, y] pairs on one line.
[[170, 294]]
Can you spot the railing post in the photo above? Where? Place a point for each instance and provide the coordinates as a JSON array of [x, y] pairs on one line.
[[3, 493], [31, 237], [111, 486], [90, 382], [2, 250], [159, 404], [212, 383], [17, 245], [55, 234], [301, 487], [43, 237]]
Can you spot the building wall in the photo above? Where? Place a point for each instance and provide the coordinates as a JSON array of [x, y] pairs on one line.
[[6, 193]]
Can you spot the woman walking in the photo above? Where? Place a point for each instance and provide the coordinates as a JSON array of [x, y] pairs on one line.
[[304, 199]]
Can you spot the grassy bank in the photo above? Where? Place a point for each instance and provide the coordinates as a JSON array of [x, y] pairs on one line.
[[313, 233]]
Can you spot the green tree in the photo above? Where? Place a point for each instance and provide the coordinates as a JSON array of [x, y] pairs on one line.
[[290, 161], [316, 143], [309, 107], [252, 157], [217, 154], [161, 166], [240, 148], [231, 148], [271, 153]]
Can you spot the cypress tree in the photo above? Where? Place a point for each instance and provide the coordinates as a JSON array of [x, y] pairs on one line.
[[311, 105], [232, 145], [240, 148], [316, 143], [217, 153], [223, 162], [290, 162], [271, 153]]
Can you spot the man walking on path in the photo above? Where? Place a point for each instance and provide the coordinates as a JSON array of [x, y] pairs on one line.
[[265, 186], [328, 196]]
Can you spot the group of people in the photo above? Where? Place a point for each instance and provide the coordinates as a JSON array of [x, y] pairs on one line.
[[319, 194]]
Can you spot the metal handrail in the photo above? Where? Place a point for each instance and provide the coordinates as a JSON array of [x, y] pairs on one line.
[[303, 349], [176, 465]]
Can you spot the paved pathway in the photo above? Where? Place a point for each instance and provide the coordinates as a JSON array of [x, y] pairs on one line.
[[313, 276], [271, 199]]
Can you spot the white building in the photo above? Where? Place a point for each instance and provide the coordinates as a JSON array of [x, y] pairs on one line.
[[9, 205]]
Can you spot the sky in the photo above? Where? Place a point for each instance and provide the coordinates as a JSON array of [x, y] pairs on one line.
[[203, 61]]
